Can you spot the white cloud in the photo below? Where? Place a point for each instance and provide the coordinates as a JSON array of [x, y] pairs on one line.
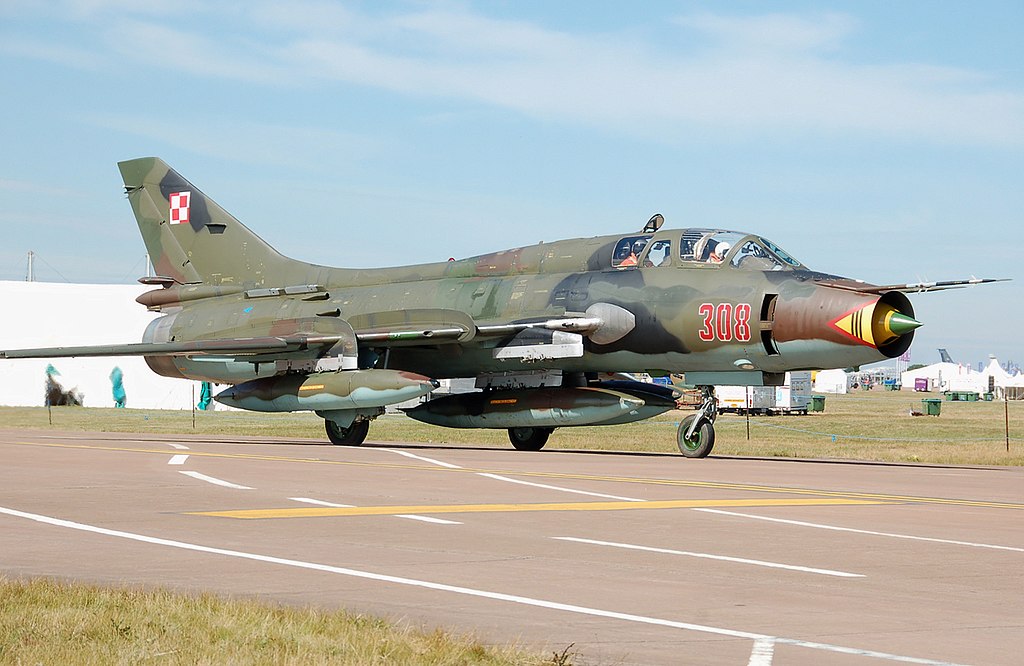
[[773, 32], [35, 188], [202, 55], [50, 51], [298, 148], [775, 81], [724, 74], [317, 17]]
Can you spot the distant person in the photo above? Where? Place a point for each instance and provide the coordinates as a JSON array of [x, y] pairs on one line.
[[56, 396], [205, 397], [117, 388]]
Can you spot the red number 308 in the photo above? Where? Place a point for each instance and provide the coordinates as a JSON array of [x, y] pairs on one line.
[[725, 322]]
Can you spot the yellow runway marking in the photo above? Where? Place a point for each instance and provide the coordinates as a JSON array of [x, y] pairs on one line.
[[715, 485], [322, 512]]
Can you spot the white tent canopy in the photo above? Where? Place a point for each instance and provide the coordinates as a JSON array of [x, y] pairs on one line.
[[993, 369], [831, 381], [957, 377], [40, 314]]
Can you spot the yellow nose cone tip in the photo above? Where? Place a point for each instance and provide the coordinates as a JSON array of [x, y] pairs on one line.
[[901, 324]]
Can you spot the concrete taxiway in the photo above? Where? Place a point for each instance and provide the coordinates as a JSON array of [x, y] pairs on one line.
[[634, 558]]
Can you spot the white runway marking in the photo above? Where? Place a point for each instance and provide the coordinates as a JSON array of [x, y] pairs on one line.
[[423, 458], [180, 447], [851, 529], [563, 490], [178, 459], [498, 477], [708, 556], [427, 519], [467, 591], [217, 482], [310, 500], [762, 654]]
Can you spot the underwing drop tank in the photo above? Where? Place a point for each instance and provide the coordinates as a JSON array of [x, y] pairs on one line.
[[327, 391], [657, 399], [527, 408]]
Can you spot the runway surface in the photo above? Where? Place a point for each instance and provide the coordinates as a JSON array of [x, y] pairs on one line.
[[634, 558]]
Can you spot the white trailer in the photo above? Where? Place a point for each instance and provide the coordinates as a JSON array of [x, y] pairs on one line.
[[794, 396], [740, 399]]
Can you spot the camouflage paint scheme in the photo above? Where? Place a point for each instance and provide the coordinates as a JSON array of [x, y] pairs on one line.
[[214, 260], [235, 310]]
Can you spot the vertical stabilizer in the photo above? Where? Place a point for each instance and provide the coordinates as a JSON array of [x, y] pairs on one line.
[[192, 239]]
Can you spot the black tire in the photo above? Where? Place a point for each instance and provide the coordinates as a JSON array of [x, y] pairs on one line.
[[703, 440], [529, 439], [354, 435]]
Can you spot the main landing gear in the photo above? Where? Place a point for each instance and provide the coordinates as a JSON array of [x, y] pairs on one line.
[[696, 434], [354, 435], [529, 439]]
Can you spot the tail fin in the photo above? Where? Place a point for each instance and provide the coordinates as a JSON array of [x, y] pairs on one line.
[[193, 240]]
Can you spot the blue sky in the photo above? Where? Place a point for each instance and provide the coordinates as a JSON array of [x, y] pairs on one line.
[[878, 140]]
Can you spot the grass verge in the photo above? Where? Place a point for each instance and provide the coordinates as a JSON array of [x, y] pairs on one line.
[[867, 425], [49, 622]]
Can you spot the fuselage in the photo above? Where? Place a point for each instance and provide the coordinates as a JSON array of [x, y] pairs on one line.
[[755, 310]]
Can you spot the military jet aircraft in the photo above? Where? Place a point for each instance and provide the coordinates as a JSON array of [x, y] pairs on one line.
[[549, 331]]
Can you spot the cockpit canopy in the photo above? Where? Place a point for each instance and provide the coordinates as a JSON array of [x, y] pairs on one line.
[[695, 247]]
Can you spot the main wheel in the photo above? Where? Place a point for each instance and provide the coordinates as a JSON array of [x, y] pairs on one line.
[[350, 436], [529, 439], [702, 441]]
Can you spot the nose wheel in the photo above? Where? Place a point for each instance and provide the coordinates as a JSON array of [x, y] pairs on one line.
[[696, 433]]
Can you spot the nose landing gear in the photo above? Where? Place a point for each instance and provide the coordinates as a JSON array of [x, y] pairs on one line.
[[696, 434]]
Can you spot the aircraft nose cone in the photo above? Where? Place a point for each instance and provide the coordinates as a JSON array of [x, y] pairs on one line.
[[227, 396], [901, 324], [888, 324]]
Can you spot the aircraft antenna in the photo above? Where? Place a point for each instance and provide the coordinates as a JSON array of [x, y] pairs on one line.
[[30, 275]]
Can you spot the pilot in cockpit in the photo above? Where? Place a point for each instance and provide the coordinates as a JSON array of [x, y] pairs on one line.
[[634, 253], [718, 254]]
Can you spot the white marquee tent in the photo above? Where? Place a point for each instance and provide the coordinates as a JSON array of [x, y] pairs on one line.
[[41, 314], [831, 381], [957, 377]]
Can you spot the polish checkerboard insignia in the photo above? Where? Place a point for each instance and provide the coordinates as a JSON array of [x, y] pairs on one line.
[[179, 202]]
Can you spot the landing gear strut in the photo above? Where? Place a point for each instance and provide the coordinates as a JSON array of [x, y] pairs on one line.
[[696, 434]]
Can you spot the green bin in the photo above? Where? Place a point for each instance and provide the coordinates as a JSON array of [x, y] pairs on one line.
[[817, 403], [932, 406]]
